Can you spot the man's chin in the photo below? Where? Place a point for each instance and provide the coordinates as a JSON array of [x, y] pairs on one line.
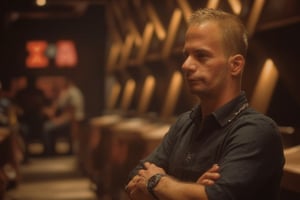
[[197, 92]]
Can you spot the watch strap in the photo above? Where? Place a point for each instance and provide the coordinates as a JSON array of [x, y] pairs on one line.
[[152, 182]]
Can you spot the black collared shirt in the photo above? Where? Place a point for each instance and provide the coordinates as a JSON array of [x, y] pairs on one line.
[[245, 143]]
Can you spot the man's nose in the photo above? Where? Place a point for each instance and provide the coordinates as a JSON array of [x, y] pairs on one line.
[[188, 64]]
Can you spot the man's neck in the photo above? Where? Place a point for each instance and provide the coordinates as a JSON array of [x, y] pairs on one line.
[[212, 103]]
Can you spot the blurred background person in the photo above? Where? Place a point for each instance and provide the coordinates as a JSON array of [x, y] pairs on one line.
[[31, 102], [67, 113], [11, 142]]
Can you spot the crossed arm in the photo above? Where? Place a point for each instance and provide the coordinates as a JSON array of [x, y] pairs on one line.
[[168, 187]]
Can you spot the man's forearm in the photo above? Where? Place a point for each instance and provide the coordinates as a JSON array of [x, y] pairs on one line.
[[169, 188], [165, 187]]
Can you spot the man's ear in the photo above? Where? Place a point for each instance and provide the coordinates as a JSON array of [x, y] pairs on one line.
[[236, 63]]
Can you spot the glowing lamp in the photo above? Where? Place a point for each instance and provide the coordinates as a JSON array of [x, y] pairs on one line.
[[37, 57], [66, 55]]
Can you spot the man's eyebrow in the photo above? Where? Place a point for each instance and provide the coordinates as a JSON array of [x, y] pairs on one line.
[[195, 50], [204, 51]]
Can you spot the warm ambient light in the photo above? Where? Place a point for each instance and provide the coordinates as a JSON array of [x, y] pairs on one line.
[[147, 93], [158, 26], [186, 9], [265, 86], [254, 15], [236, 6], [40, 2], [212, 4], [172, 94], [172, 30], [113, 96], [126, 50], [147, 36], [128, 94]]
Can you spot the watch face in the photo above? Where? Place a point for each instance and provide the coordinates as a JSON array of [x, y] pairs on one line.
[[153, 181]]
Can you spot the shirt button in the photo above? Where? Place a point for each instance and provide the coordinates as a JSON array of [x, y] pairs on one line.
[[189, 158]]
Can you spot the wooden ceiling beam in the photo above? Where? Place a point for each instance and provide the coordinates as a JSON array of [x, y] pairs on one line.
[[159, 28], [172, 32], [185, 8], [254, 16], [147, 36], [236, 6], [212, 4], [116, 42], [126, 50]]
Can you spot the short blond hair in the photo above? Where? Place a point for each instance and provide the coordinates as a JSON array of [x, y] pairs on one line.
[[234, 33]]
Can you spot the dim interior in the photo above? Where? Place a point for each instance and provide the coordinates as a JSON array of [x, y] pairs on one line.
[[126, 57]]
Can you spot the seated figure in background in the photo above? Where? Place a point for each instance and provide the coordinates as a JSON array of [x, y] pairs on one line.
[[11, 142], [31, 102], [67, 110]]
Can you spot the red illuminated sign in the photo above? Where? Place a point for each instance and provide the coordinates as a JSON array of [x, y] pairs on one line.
[[40, 52], [37, 57]]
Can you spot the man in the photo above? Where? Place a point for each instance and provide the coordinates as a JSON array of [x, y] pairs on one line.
[[68, 112], [222, 148], [31, 102]]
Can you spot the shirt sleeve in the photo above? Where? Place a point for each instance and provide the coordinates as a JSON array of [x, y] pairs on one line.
[[251, 163]]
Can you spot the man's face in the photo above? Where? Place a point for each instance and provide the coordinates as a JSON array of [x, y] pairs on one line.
[[206, 66]]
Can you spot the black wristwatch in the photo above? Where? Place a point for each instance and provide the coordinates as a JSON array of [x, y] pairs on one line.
[[152, 182]]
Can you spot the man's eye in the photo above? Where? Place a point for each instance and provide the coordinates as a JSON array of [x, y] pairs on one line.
[[185, 55], [200, 55]]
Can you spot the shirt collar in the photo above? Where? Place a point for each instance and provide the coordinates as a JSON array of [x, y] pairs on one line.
[[226, 113]]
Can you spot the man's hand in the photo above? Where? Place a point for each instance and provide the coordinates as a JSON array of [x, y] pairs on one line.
[[210, 176], [150, 169], [137, 187]]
